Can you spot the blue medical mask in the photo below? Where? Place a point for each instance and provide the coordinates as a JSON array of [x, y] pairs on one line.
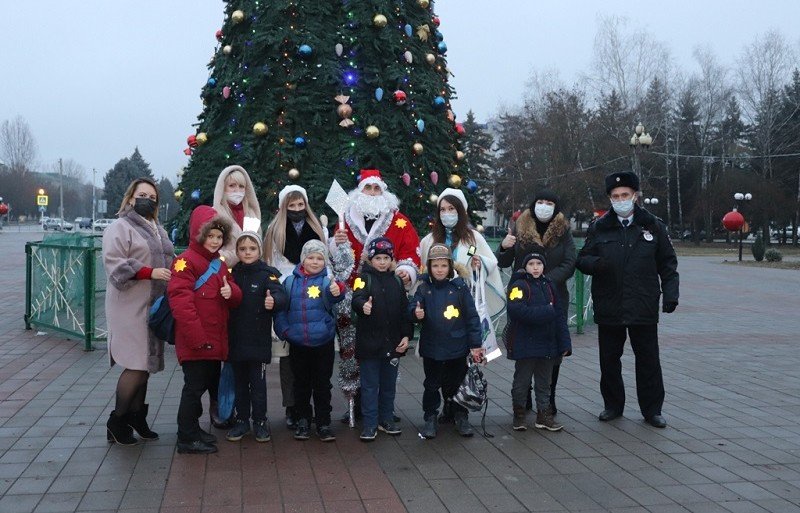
[[623, 208], [449, 220]]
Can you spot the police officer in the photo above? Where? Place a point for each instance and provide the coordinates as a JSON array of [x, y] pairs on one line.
[[632, 262]]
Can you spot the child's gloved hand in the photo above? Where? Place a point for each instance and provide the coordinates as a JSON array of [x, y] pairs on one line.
[[225, 290], [368, 306], [269, 301], [419, 312]]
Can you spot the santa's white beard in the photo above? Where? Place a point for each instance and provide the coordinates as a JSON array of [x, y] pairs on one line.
[[371, 207]]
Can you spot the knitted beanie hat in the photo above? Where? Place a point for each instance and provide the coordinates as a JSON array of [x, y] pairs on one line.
[[313, 246], [380, 246], [439, 251]]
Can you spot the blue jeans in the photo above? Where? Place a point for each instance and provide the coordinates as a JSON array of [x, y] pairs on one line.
[[251, 390], [378, 386]]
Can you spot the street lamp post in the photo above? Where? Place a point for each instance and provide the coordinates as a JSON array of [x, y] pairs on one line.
[[651, 201], [639, 139], [739, 197]]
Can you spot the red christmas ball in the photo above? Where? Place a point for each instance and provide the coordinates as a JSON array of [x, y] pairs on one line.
[[436, 21], [733, 221], [3, 209], [187, 151], [460, 129], [219, 35], [191, 141], [399, 97]]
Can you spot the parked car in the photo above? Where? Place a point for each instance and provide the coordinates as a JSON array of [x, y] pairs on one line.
[[83, 222], [58, 224], [100, 224], [494, 232]]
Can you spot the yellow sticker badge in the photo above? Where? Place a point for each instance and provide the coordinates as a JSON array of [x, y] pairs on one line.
[[401, 223], [515, 293], [451, 312], [180, 265], [358, 284], [313, 292]]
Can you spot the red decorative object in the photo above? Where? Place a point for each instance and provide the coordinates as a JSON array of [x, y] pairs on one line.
[[436, 21], [191, 141], [219, 35], [399, 97], [733, 221], [460, 129], [3, 209], [187, 151]]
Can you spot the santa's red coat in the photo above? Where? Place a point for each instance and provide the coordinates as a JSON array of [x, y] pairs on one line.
[[400, 231]]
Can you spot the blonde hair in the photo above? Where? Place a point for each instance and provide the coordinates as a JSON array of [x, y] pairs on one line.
[[250, 201], [131, 190], [275, 236]]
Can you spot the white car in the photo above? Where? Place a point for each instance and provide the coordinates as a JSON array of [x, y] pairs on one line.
[[100, 224], [57, 224]]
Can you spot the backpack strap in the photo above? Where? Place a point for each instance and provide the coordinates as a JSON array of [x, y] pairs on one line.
[[287, 284], [213, 268]]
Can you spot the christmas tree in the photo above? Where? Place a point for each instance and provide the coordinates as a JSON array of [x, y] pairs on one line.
[[305, 92]]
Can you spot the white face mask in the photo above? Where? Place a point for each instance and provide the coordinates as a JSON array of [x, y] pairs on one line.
[[623, 208], [449, 220], [544, 212], [234, 198]]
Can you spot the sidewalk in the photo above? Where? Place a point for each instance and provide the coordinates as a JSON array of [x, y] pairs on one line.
[[730, 361]]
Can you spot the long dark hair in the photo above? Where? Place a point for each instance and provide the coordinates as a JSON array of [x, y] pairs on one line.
[[461, 231]]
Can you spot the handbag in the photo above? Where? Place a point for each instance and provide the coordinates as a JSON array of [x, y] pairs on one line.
[[227, 392], [471, 393], [160, 319]]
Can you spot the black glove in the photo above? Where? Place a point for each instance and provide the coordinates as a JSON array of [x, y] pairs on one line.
[[669, 306]]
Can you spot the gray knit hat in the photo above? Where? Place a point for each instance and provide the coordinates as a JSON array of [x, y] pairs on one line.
[[313, 246], [439, 251]]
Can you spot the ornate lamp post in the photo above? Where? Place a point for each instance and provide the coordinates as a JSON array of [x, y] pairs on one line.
[[734, 220], [640, 139]]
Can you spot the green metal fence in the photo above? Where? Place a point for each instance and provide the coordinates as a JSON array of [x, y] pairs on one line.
[[64, 286]]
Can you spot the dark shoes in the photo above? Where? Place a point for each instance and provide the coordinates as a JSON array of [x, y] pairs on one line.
[[431, 426], [463, 426], [544, 420], [519, 419], [368, 434], [196, 447], [390, 428], [656, 421], [261, 431], [290, 422], [207, 437], [325, 433], [609, 414], [302, 431], [216, 421], [237, 432], [138, 421], [119, 431]]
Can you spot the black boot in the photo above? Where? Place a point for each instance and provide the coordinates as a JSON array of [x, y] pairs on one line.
[[553, 381], [118, 430], [138, 421]]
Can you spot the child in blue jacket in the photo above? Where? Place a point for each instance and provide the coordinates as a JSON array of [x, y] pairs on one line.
[[451, 329], [308, 325], [536, 338]]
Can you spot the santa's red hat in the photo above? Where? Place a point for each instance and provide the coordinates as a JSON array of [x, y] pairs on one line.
[[370, 176]]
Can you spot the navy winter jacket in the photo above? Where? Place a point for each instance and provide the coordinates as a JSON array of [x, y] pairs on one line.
[[537, 319], [451, 326], [308, 321]]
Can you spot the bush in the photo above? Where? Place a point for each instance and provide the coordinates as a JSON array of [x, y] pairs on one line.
[[758, 248], [773, 255]]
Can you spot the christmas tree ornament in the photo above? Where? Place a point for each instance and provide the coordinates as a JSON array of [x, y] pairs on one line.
[[423, 32], [237, 145], [372, 132], [408, 57], [219, 35], [442, 47], [472, 186], [304, 51], [237, 16], [187, 151], [460, 129], [201, 138], [439, 35], [451, 116], [339, 49], [196, 194], [409, 29], [417, 148], [227, 49], [424, 3], [433, 199], [420, 125], [300, 142], [212, 82], [260, 128], [379, 94], [344, 110], [480, 228], [399, 97], [191, 141], [226, 92], [294, 174], [406, 178], [430, 58], [178, 194], [379, 21], [434, 177], [454, 181], [439, 102], [437, 21], [459, 155]]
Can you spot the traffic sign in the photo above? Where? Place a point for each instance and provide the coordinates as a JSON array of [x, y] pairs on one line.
[[41, 199]]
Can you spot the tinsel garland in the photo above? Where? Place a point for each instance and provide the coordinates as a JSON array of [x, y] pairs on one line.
[[343, 261]]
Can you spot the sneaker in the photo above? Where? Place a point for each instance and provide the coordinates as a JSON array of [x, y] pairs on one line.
[[430, 427], [237, 432], [390, 428], [302, 432], [368, 434], [544, 420], [325, 433], [463, 426], [196, 447], [261, 429]]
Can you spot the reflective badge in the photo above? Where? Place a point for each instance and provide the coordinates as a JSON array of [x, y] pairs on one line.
[[313, 292], [451, 312], [515, 293], [358, 284], [647, 235]]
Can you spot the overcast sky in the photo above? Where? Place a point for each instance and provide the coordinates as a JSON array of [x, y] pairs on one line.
[[95, 78]]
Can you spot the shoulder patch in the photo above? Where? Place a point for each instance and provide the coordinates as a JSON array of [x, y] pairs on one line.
[[516, 293], [358, 284], [179, 265]]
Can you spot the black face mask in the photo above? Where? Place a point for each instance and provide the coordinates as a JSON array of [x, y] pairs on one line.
[[145, 207], [296, 216]]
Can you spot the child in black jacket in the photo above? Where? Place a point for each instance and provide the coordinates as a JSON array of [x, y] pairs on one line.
[[382, 334], [249, 337]]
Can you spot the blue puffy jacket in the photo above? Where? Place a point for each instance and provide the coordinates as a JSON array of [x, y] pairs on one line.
[[308, 321], [451, 326], [537, 319]]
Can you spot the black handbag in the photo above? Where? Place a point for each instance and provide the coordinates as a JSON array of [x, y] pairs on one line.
[[160, 319], [471, 393]]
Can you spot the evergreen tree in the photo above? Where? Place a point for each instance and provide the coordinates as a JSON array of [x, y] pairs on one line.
[[121, 175], [306, 92], [480, 161], [166, 198]]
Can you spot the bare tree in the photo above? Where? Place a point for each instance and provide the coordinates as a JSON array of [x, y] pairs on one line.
[[73, 171], [18, 147]]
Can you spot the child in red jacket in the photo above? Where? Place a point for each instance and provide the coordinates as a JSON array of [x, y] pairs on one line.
[[201, 321]]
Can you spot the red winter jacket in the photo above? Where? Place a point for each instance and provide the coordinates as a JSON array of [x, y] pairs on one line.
[[201, 316]]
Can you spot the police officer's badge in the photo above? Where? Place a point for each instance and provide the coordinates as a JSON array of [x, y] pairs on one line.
[[647, 235]]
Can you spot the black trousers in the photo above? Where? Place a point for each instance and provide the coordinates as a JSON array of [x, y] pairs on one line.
[[312, 368], [446, 375], [649, 383], [251, 390], [198, 377]]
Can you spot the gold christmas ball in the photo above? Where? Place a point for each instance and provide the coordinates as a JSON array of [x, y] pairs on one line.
[[433, 198], [344, 111], [372, 132], [423, 3], [260, 128], [379, 20], [178, 194], [459, 155], [294, 174], [237, 16], [454, 181], [227, 49], [479, 228], [201, 138], [417, 148], [430, 58]]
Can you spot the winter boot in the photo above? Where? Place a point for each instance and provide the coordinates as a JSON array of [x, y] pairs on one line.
[[544, 420], [118, 430], [447, 413], [463, 426], [138, 421], [430, 427], [519, 418]]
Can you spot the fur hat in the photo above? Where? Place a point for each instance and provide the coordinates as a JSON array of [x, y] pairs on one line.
[[438, 252], [622, 179], [313, 246], [453, 192], [291, 188], [370, 176], [380, 246]]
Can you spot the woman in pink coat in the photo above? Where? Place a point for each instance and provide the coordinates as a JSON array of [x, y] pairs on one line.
[[137, 255]]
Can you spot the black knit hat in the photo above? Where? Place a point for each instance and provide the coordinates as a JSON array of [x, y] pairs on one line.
[[537, 252], [546, 194], [380, 246], [622, 179]]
